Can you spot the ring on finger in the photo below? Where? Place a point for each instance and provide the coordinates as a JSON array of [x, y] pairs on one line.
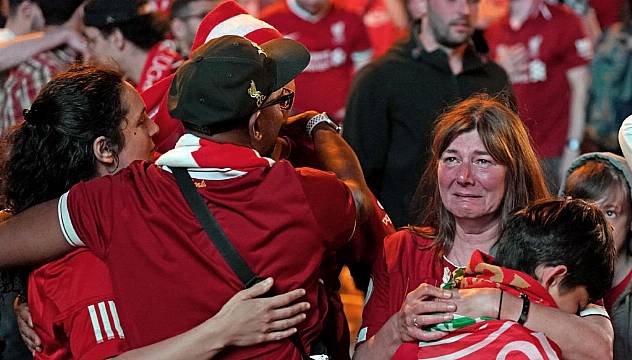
[[415, 322]]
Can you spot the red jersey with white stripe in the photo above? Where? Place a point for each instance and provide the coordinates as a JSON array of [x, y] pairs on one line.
[[335, 40], [73, 309], [167, 274], [494, 339], [162, 60]]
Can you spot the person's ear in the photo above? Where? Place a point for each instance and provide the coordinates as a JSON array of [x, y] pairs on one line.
[[255, 128], [550, 276], [105, 155], [178, 29], [117, 39]]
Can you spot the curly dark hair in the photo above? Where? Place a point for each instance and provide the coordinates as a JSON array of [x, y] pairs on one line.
[[53, 149]]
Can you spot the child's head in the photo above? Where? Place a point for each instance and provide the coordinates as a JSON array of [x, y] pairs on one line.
[[563, 243], [605, 179]]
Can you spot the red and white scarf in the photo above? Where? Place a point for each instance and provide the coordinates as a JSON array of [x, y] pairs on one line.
[[209, 160], [162, 60]]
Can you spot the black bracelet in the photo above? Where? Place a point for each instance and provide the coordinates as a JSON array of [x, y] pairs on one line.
[[500, 304], [525, 309]]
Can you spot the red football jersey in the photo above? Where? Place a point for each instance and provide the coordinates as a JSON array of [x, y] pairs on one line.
[[555, 42], [335, 41], [161, 260], [73, 309]]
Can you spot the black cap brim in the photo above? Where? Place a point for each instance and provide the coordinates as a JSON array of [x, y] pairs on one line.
[[290, 57]]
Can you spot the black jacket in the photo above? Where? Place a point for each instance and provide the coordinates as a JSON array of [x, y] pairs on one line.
[[392, 106]]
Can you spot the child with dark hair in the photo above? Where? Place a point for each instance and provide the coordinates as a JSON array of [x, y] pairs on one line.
[[556, 252], [606, 179]]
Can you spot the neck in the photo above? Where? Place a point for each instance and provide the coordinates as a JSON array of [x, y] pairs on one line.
[[133, 61], [520, 10], [455, 55], [477, 233], [622, 267], [18, 27]]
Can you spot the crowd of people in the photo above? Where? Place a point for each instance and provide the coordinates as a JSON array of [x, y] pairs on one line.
[[164, 162]]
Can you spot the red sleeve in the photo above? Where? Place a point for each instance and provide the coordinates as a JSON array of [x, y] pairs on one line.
[[578, 45], [361, 40], [73, 308], [332, 205], [376, 308], [88, 212]]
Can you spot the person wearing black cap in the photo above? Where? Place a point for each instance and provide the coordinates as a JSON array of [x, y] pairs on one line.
[[127, 35], [233, 97]]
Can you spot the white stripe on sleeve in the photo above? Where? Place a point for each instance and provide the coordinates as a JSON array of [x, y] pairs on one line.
[[106, 321], [95, 324], [66, 224], [115, 317]]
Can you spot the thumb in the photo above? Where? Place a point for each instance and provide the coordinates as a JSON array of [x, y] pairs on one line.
[[258, 289]]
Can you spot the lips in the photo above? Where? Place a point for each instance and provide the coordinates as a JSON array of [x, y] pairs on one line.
[[462, 195]]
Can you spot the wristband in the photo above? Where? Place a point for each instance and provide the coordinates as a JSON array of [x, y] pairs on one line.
[[322, 117], [525, 309]]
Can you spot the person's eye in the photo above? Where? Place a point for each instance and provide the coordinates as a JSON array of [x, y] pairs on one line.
[[483, 162], [610, 214], [450, 160]]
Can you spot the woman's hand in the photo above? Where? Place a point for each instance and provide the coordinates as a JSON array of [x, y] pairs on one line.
[[25, 325], [421, 308], [248, 320], [477, 302]]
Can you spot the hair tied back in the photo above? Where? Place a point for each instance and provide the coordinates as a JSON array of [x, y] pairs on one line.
[[30, 116]]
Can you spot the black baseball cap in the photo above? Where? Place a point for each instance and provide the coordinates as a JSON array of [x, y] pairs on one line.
[[227, 79], [99, 13]]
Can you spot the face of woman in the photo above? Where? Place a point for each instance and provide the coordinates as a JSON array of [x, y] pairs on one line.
[[471, 182], [616, 209]]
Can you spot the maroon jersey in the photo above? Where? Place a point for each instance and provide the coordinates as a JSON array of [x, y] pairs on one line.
[[169, 277]]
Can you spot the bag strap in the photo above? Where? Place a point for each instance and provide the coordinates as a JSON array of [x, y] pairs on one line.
[[221, 241]]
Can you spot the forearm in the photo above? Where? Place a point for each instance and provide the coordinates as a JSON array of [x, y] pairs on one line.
[[587, 337], [382, 345], [579, 79], [202, 342], [22, 48], [334, 154]]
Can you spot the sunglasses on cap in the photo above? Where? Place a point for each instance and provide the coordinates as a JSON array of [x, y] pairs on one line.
[[285, 101]]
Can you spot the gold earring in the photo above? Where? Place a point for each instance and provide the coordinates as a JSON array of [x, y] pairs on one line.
[[258, 135]]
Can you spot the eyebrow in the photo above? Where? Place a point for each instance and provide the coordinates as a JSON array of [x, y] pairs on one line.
[[476, 152]]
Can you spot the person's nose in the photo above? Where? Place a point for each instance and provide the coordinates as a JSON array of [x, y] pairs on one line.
[[153, 128], [464, 175]]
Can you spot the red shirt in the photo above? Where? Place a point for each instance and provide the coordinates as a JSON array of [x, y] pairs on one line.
[[406, 263], [162, 60], [335, 40], [169, 277], [555, 42], [611, 297], [72, 305]]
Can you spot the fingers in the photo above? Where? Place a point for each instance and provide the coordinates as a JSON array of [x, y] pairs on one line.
[[284, 324], [277, 335], [431, 306], [256, 290], [422, 335], [284, 299], [428, 320], [289, 311], [424, 291], [30, 338]]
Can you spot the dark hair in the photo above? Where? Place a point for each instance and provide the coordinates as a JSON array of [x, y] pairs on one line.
[[568, 232], [592, 180], [144, 31], [179, 8], [52, 150], [56, 12], [506, 140]]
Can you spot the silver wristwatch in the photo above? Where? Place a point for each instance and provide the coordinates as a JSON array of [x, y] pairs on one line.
[[322, 117]]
